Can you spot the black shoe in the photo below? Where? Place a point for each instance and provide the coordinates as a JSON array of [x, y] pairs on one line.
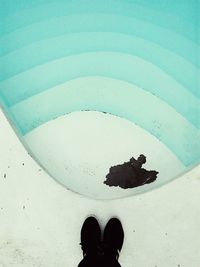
[[90, 237], [113, 239]]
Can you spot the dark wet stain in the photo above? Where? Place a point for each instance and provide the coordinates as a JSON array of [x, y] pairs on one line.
[[4, 176], [130, 174], [23, 207], [23, 163]]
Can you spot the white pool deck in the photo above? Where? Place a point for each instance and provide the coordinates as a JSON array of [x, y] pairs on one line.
[[40, 220], [79, 148]]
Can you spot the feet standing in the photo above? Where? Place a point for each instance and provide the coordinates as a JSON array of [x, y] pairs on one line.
[[99, 252]]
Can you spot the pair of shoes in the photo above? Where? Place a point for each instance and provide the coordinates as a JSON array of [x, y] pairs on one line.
[[107, 248]]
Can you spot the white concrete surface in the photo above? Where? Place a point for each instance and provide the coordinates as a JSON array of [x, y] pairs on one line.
[[40, 220], [79, 148]]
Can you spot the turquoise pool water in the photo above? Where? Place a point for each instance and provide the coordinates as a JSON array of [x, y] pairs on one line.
[[150, 47]]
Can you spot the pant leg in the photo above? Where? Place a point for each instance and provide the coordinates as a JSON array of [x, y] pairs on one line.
[[91, 262], [111, 264]]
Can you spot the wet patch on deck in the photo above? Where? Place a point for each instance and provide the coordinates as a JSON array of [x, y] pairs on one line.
[[130, 174]]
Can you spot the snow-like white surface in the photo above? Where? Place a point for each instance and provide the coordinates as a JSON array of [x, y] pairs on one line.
[[79, 148], [40, 220]]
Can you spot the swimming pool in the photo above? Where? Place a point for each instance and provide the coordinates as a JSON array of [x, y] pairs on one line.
[[133, 64]]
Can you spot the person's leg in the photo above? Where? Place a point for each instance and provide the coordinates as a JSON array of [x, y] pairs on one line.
[[90, 243], [90, 262], [112, 240]]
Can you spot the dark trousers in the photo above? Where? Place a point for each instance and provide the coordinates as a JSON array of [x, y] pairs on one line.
[[98, 262]]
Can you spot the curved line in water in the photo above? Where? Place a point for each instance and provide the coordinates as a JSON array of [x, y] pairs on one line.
[[114, 65], [118, 98], [94, 23], [44, 12], [47, 50]]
